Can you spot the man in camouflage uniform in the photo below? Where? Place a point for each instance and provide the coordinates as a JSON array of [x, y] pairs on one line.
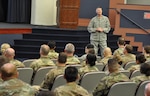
[[12, 86], [4, 46], [10, 54], [71, 88], [90, 65], [120, 43], [52, 54], [44, 60], [146, 52], [3, 61], [107, 55], [98, 27], [114, 77], [128, 56], [53, 73], [140, 58], [144, 69], [69, 50]]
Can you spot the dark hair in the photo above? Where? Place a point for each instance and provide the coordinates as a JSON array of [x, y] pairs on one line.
[[121, 41], [113, 64], [71, 74], [62, 58], [91, 51], [89, 46], [91, 59], [45, 93], [147, 49], [141, 58], [145, 69], [51, 44], [129, 48]]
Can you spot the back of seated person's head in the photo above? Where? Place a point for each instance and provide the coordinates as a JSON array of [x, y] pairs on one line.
[[10, 53], [91, 51], [118, 58], [140, 58], [145, 69], [3, 60], [91, 59], [9, 71], [147, 49], [69, 48], [88, 48], [46, 93], [52, 44], [128, 48], [62, 57], [4, 46], [44, 49], [147, 90], [121, 41], [107, 51], [71, 74], [113, 65]]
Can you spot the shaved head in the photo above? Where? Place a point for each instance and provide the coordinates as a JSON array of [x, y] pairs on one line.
[[8, 71], [10, 53], [107, 51], [147, 90]]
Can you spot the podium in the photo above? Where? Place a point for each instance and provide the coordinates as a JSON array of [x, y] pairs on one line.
[[68, 13]]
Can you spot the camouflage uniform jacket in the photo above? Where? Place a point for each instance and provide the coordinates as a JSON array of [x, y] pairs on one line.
[[17, 63], [52, 54], [104, 85], [127, 58], [51, 75], [134, 67], [72, 60], [41, 62], [105, 60], [139, 79], [71, 89], [88, 68], [16, 87], [118, 51]]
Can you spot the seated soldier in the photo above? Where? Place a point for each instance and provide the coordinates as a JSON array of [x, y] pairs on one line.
[[4, 46], [121, 43], [69, 50], [87, 49], [146, 52], [128, 56], [140, 58], [10, 54], [52, 53], [145, 70], [71, 88], [44, 60], [90, 65], [107, 55], [114, 77], [11, 85], [53, 73]]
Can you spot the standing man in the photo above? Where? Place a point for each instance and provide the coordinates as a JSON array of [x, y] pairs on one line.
[[99, 26]]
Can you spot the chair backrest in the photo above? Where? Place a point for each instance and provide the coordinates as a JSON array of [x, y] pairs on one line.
[[54, 60], [126, 72], [100, 66], [141, 88], [122, 89], [59, 80], [135, 73], [40, 75], [25, 74], [90, 80], [129, 64], [28, 62]]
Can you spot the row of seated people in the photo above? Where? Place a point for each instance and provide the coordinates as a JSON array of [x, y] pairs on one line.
[[71, 87]]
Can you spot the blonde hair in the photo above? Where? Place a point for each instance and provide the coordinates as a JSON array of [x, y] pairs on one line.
[[4, 46]]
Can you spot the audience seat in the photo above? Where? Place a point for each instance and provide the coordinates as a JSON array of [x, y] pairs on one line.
[[100, 66], [28, 62], [135, 73], [129, 64]]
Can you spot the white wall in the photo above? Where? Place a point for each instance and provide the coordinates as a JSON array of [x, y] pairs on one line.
[[43, 12]]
